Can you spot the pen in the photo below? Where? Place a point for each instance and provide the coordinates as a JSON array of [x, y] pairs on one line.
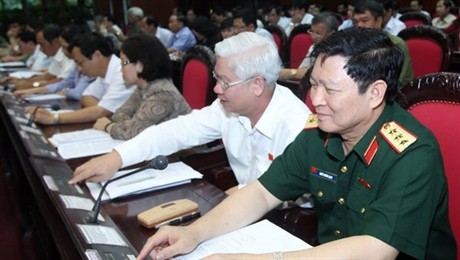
[[178, 220]]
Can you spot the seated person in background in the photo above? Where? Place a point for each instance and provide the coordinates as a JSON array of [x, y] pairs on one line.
[[369, 14], [145, 64], [34, 58], [14, 28], [226, 28], [255, 118], [183, 38], [206, 33], [417, 5], [151, 26], [60, 66], [246, 21], [101, 25], [391, 24], [75, 83], [323, 25], [444, 18], [275, 17], [95, 58], [384, 202]]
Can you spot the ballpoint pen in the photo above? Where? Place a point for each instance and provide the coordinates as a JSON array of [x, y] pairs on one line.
[[179, 220]]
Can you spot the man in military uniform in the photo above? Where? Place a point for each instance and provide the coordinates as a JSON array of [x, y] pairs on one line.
[[375, 173]]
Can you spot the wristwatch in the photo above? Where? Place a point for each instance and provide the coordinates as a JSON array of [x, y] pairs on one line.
[[36, 84], [293, 72]]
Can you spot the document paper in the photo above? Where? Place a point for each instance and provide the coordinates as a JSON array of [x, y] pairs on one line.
[[175, 174], [83, 143], [261, 237]]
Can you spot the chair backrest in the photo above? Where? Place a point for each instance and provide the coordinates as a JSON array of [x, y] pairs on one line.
[[298, 44], [197, 80], [414, 18], [430, 49], [279, 35], [434, 100]]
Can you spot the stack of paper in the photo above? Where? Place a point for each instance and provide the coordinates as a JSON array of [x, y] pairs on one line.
[[12, 64], [44, 97], [25, 74], [147, 180], [83, 143], [261, 237]]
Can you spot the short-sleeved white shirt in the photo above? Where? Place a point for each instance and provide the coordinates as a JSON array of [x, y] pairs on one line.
[[110, 90], [250, 150]]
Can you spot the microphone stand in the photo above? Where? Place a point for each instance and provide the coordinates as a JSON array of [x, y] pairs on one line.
[[159, 163]]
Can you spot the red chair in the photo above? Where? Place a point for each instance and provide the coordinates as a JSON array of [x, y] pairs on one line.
[[414, 18], [279, 35], [298, 43], [434, 100], [197, 81], [430, 49]]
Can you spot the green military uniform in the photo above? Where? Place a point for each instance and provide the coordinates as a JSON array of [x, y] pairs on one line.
[[390, 186], [407, 73]]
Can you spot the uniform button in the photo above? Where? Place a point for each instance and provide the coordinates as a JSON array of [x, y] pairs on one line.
[[320, 194], [341, 201], [337, 233], [344, 169], [363, 210]]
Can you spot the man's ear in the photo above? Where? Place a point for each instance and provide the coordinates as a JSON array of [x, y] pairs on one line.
[[377, 92], [139, 67], [96, 55], [258, 86], [379, 21]]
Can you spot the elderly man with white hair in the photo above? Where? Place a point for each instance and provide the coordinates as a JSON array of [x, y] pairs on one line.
[[255, 117]]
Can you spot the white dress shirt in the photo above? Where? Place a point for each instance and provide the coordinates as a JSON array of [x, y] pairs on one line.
[[61, 66], [38, 60], [110, 90], [250, 150], [284, 23], [444, 23], [394, 26], [165, 36]]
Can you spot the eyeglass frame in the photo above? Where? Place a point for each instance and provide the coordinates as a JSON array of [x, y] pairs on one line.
[[125, 62], [311, 32], [226, 85]]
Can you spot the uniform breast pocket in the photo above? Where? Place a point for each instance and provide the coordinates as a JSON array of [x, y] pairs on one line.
[[359, 202], [323, 187]]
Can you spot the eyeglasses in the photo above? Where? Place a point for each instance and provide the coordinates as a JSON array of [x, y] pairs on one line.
[[125, 62], [226, 85], [310, 31]]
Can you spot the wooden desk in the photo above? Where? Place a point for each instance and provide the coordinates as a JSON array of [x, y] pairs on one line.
[[51, 226]]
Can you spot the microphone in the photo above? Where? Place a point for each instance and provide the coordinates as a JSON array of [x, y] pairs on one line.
[[158, 163], [54, 107]]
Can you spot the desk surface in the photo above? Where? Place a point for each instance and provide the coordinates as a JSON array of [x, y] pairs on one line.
[[60, 222]]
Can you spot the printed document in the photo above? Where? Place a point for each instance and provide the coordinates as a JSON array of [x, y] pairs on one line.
[[83, 143], [175, 174], [260, 237]]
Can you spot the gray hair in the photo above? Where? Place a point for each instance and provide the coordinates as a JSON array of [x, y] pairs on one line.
[[136, 11], [251, 55]]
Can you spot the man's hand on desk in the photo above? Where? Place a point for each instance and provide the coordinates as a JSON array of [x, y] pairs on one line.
[[169, 241], [42, 116], [6, 79], [27, 92], [97, 169]]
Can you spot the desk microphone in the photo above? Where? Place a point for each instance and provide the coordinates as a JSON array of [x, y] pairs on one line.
[[54, 107], [158, 163]]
